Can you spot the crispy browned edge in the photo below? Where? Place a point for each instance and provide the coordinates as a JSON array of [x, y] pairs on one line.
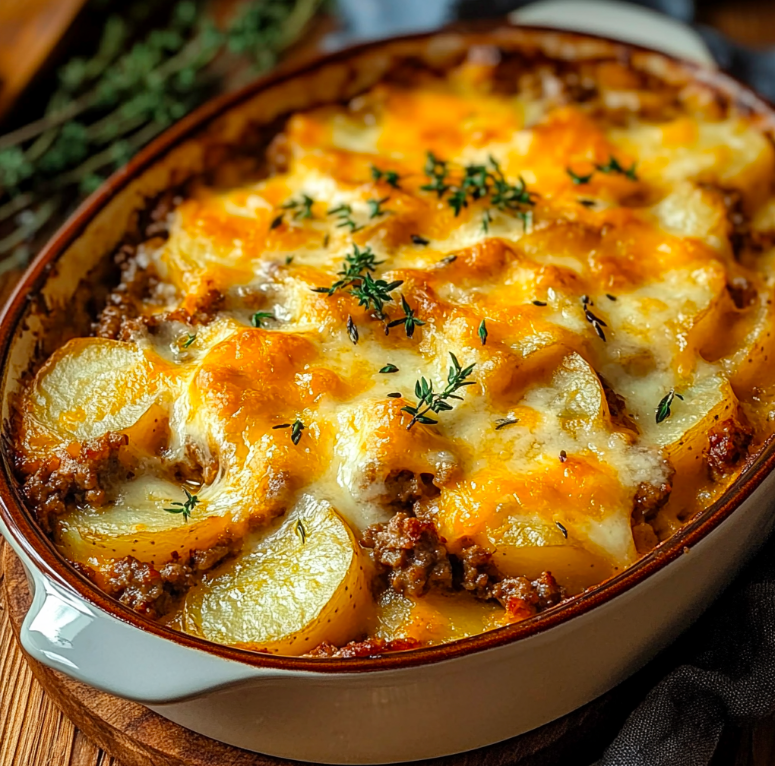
[[25, 299]]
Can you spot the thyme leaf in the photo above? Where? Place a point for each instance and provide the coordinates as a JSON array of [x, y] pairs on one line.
[[408, 320], [503, 422], [388, 369], [258, 319], [577, 179], [301, 531], [613, 166], [663, 408], [418, 240], [429, 401], [185, 508], [483, 332], [344, 215], [390, 177], [302, 208], [352, 331], [355, 265], [188, 341], [375, 207]]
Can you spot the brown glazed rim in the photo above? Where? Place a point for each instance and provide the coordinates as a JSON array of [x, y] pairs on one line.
[[47, 560]]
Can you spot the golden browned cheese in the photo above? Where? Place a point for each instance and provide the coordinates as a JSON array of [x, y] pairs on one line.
[[599, 274]]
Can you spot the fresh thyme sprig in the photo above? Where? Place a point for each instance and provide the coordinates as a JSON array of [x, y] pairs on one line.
[[374, 293], [408, 320], [188, 341], [483, 332], [185, 508], [428, 401], [355, 265], [106, 107], [302, 208], [344, 214], [663, 408], [390, 177], [480, 182]]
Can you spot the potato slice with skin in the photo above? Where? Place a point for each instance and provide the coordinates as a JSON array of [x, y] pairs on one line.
[[302, 584], [136, 524], [527, 547], [91, 386], [434, 618]]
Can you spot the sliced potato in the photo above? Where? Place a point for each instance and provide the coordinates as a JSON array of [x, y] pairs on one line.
[[136, 524], [434, 618], [528, 547], [684, 434], [93, 385], [300, 585]]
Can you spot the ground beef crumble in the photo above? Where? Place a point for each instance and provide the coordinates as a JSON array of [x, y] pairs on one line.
[[728, 443], [153, 592], [372, 647], [411, 553], [413, 559], [66, 478]]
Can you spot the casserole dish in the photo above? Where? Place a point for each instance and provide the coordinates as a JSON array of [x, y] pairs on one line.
[[372, 710]]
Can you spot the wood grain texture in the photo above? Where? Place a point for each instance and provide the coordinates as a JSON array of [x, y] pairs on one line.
[[29, 30]]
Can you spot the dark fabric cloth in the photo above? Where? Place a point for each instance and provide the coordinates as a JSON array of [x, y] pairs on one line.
[[723, 669]]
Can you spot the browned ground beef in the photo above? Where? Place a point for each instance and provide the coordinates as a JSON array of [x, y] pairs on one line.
[[649, 499], [64, 479], [414, 559], [405, 489], [372, 647], [411, 553], [728, 444], [153, 592], [523, 598], [618, 408]]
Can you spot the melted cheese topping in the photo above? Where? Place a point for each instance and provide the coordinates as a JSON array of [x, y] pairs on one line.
[[597, 282]]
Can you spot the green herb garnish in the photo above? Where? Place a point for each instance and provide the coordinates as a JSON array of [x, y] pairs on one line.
[[483, 332], [344, 215], [374, 293], [436, 170], [418, 240], [388, 369], [188, 341], [375, 209], [276, 222], [390, 177], [613, 166], [577, 179], [185, 508], [301, 531], [355, 265], [663, 408], [503, 422], [408, 320], [302, 207], [296, 428], [258, 319], [562, 529], [428, 401]]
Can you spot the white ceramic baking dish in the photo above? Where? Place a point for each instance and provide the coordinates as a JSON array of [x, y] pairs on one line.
[[405, 706]]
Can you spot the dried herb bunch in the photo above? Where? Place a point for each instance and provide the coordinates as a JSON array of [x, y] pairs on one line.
[[109, 105]]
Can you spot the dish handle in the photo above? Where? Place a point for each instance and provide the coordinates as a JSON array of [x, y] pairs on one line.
[[65, 633]]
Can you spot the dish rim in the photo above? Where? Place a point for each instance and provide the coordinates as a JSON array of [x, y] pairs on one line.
[[50, 563]]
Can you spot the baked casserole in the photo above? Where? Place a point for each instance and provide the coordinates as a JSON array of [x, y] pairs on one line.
[[461, 348]]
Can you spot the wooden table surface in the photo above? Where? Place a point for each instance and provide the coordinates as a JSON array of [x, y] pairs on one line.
[[33, 732]]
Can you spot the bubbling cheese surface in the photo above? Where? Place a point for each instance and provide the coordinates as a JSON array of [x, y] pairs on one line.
[[583, 267]]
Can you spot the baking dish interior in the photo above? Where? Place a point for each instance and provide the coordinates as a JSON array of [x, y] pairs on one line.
[[219, 144]]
